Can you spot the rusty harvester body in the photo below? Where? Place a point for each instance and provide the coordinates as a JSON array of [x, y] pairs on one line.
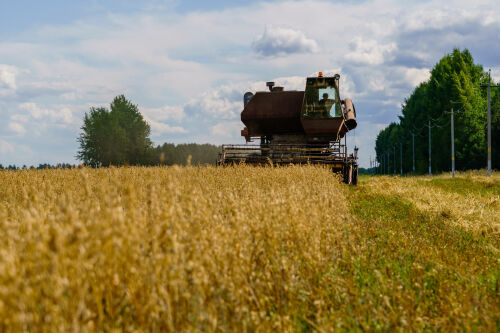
[[297, 127]]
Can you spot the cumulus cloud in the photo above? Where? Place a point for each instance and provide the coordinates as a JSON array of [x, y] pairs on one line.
[[381, 48], [8, 84], [220, 103], [157, 122], [277, 41], [62, 115], [369, 52], [6, 147], [167, 112], [159, 119], [22, 118], [8, 76], [226, 129], [289, 83], [17, 128], [415, 76], [162, 128]]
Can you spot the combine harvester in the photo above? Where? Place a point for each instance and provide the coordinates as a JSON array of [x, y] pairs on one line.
[[297, 127]]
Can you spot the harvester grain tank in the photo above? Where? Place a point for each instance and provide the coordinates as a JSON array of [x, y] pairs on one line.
[[297, 127]]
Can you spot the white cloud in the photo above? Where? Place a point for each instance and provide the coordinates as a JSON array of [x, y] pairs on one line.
[[289, 83], [17, 128], [22, 118], [8, 84], [431, 18], [62, 115], [415, 76], [167, 112], [218, 103], [227, 129], [277, 41], [8, 77], [159, 128], [6, 147], [370, 52], [157, 118], [198, 68]]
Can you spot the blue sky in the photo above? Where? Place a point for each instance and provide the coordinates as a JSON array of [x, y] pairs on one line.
[[22, 15], [188, 63]]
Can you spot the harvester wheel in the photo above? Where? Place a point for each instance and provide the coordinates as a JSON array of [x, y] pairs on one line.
[[348, 174], [355, 173]]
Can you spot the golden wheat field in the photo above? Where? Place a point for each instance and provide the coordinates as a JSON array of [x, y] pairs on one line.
[[247, 249]]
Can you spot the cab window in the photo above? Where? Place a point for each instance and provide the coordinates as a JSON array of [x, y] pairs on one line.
[[320, 101]]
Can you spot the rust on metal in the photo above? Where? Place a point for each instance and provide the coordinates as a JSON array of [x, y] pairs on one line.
[[350, 114], [297, 127], [270, 113]]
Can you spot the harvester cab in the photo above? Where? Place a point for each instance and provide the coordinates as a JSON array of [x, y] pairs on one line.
[[321, 98], [296, 127]]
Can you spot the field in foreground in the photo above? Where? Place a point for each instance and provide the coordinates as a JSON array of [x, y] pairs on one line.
[[245, 249]]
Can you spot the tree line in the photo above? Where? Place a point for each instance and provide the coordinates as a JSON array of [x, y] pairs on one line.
[[165, 154], [455, 82], [41, 166], [120, 136]]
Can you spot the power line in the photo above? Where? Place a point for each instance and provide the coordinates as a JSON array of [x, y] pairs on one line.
[[437, 123], [489, 119], [413, 149], [430, 151], [452, 131], [401, 158]]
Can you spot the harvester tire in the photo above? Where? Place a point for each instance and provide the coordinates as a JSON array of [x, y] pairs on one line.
[[348, 174], [355, 173]]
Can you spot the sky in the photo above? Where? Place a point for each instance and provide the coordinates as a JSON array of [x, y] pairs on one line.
[[187, 64]]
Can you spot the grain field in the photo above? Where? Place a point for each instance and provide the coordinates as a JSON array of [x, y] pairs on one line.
[[246, 249]]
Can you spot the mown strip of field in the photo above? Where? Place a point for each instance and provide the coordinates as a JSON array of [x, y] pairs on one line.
[[465, 185], [432, 272]]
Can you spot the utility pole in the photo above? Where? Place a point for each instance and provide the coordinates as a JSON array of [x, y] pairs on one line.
[[388, 162], [430, 153], [382, 157], [452, 146], [452, 124], [400, 158], [489, 119], [413, 148], [382, 164], [386, 169], [394, 148], [489, 123], [385, 164]]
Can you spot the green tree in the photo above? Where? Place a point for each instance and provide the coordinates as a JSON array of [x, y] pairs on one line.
[[116, 137], [454, 78]]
